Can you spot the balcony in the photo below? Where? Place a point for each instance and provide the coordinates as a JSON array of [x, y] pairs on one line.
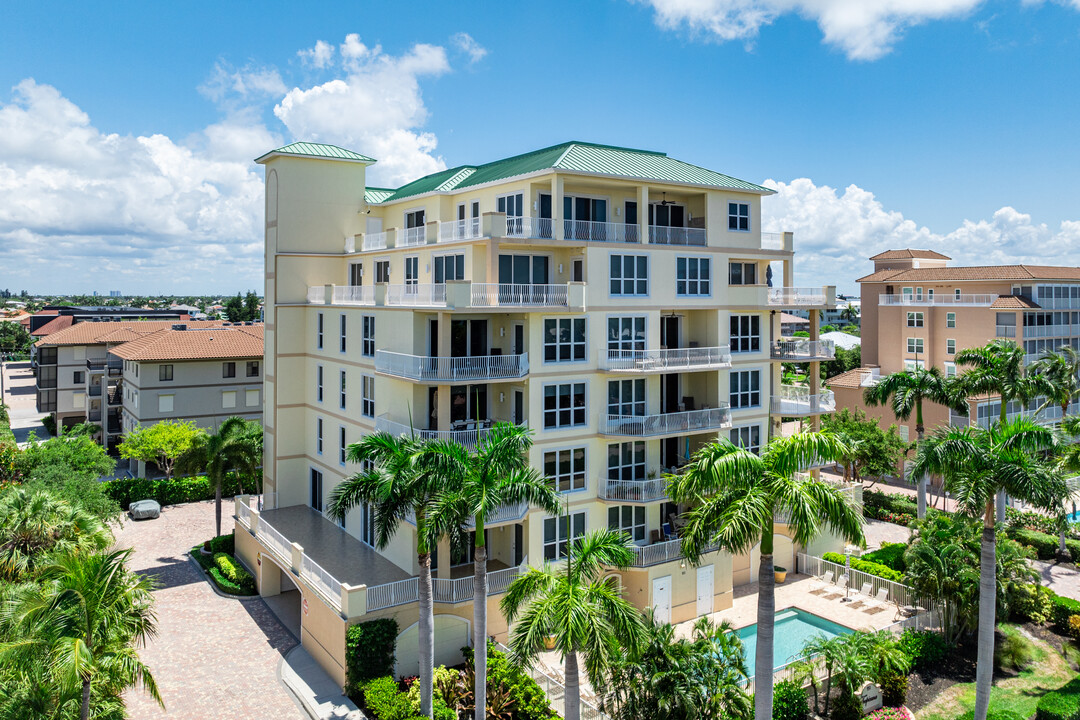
[[800, 350], [1005, 331], [513, 295], [659, 235], [673, 360], [457, 230], [375, 241], [920, 300], [115, 396], [660, 552], [93, 415], [633, 491], [677, 423], [412, 237], [796, 400], [506, 513], [451, 369], [466, 433], [354, 295], [94, 390], [95, 366], [802, 297], [116, 368], [416, 295], [113, 426]]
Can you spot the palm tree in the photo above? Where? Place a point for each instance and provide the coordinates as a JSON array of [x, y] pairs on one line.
[[1062, 368], [496, 474], [826, 650], [586, 615], [87, 616], [735, 494], [34, 523], [977, 464], [905, 392], [217, 454], [399, 487], [850, 314], [1068, 463]]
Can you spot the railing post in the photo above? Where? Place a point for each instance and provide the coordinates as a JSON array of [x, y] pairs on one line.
[[297, 559], [328, 294], [255, 515], [353, 601]]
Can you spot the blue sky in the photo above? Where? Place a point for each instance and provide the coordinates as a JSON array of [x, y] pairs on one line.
[[126, 133]]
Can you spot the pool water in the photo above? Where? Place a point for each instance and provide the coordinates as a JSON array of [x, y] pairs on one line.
[[793, 628]]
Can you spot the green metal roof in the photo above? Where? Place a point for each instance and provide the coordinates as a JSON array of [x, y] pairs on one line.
[[318, 150], [374, 195], [575, 157]]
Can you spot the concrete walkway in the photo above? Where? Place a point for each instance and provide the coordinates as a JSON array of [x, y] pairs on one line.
[[1062, 579], [320, 696], [20, 395]]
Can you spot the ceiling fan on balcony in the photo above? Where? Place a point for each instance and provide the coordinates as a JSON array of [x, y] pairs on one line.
[[665, 201]]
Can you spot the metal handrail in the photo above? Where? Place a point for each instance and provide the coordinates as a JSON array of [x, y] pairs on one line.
[[473, 367], [412, 237], [354, 295], [797, 400], [797, 296], [375, 241], [666, 360], [795, 349], [982, 299], [453, 230], [418, 295], [316, 294], [634, 490], [275, 541], [593, 231], [662, 235], [501, 294], [323, 582], [391, 594], [468, 436], [666, 423], [772, 241]]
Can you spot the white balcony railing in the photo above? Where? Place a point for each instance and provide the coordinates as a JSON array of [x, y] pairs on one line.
[[354, 295], [676, 423], [797, 296], [243, 514], [634, 490], [1005, 331], [275, 541], [392, 594], [458, 590], [505, 513], [661, 552], [659, 235], [324, 583], [983, 300], [469, 435], [411, 237], [316, 294], [506, 294], [798, 349], [673, 360], [375, 241], [796, 400], [592, 231], [528, 227], [454, 230], [416, 295], [451, 369], [772, 241]]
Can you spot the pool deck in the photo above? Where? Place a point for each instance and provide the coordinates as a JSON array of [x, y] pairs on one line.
[[796, 592]]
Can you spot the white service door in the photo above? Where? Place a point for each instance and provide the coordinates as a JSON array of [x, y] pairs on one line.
[[661, 595], [704, 590], [373, 225]]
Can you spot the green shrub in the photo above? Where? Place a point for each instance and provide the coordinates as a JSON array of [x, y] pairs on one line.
[[445, 683], [866, 566], [175, 491], [846, 707], [894, 687], [1063, 608], [370, 648], [1045, 545], [890, 555], [530, 701], [789, 702], [1031, 602], [1014, 652], [994, 715], [234, 572], [924, 648], [385, 701], [1061, 704], [228, 586], [223, 544], [890, 502]]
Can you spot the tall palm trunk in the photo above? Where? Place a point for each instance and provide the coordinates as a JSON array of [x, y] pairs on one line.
[[987, 608], [84, 709], [426, 623], [572, 696], [920, 483], [480, 591], [1063, 552], [766, 615]]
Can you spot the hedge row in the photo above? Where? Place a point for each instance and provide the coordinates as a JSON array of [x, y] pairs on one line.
[[370, 648], [234, 572], [6, 436], [1045, 545], [177, 490], [223, 546], [1062, 609], [866, 566], [892, 502], [890, 555], [1061, 704]]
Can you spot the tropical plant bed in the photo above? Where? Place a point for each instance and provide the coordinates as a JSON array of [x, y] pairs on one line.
[[223, 569]]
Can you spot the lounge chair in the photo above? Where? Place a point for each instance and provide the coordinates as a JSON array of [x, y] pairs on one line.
[[840, 587], [823, 583], [867, 590]]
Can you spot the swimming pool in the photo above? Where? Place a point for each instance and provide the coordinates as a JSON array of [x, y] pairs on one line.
[[793, 628]]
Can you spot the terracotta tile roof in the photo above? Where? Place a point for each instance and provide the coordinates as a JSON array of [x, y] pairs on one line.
[[850, 379], [57, 323], [213, 343], [1014, 301], [908, 253], [97, 333], [789, 319], [976, 272]]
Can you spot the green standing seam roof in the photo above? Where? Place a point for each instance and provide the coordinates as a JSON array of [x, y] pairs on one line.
[[373, 195], [575, 157], [318, 150]]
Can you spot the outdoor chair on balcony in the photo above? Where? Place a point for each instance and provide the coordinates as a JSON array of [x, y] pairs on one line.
[[669, 532]]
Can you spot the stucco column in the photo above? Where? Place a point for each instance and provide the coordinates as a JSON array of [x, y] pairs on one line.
[[643, 213], [557, 206], [444, 558]]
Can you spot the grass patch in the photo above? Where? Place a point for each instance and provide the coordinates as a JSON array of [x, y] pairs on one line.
[[1020, 694]]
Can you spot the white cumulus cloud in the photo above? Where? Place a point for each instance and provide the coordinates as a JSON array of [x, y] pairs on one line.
[[476, 52], [837, 231], [862, 29], [318, 56]]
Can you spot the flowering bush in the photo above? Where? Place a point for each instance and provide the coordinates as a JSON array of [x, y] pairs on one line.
[[897, 713]]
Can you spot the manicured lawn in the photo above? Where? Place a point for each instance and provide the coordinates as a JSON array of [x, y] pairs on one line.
[[1019, 694]]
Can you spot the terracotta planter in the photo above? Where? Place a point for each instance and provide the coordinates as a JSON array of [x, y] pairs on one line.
[[779, 576], [549, 643]]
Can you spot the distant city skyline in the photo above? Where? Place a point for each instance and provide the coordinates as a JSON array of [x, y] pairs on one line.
[[126, 149]]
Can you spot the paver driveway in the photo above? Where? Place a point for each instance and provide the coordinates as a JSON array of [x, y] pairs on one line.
[[213, 657]]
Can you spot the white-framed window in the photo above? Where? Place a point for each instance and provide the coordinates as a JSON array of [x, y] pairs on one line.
[[251, 398], [341, 332], [626, 397], [693, 276], [745, 333], [564, 405], [745, 389], [449, 267], [315, 490], [318, 383], [950, 320], [367, 396], [513, 204], [950, 347], [382, 271], [228, 399], [412, 270], [414, 219], [626, 460], [906, 292], [956, 293], [629, 274], [319, 320], [564, 339], [738, 216], [342, 446], [356, 274], [165, 402], [910, 365], [742, 273], [904, 431], [626, 333], [915, 346], [950, 369], [559, 531], [747, 437], [341, 389], [930, 294], [566, 468], [628, 518], [367, 336], [319, 435], [914, 319]]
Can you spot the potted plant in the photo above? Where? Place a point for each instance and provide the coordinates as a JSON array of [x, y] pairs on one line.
[[549, 642], [779, 574]]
